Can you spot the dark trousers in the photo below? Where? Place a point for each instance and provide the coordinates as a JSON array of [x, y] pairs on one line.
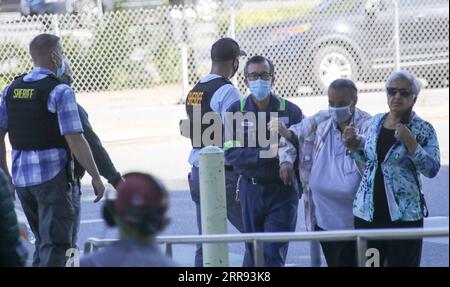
[[339, 253], [395, 253], [50, 213], [233, 206], [268, 208]]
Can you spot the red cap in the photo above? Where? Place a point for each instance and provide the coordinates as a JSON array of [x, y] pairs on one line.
[[138, 192]]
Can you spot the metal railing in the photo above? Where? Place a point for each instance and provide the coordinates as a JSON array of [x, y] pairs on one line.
[[361, 236]]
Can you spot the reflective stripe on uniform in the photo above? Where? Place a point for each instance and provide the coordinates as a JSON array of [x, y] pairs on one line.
[[230, 144]]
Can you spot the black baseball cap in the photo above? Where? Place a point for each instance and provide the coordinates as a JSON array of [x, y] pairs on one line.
[[226, 49]]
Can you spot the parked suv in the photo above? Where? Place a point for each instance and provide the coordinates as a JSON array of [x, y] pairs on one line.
[[356, 39]]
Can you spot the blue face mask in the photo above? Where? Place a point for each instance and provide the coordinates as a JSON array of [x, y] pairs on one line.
[[260, 89], [340, 115], [60, 70]]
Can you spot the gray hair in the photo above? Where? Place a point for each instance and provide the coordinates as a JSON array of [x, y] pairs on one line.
[[415, 84]]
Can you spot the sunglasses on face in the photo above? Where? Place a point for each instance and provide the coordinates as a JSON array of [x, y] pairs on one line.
[[403, 93], [255, 76]]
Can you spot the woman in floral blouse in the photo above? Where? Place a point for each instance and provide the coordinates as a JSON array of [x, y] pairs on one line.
[[397, 147]]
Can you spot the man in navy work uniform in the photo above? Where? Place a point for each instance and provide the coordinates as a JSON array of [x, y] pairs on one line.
[[214, 93], [268, 205], [40, 114]]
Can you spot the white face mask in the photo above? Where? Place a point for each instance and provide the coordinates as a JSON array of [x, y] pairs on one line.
[[341, 114]]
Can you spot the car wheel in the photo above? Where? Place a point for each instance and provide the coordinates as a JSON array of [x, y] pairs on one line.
[[331, 63]]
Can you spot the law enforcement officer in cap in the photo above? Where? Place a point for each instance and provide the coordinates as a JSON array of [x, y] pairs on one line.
[[214, 93], [40, 114], [140, 212]]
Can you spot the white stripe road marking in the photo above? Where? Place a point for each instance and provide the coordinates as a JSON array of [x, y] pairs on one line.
[[89, 221]]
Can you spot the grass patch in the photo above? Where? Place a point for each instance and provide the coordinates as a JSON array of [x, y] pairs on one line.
[[3, 84]]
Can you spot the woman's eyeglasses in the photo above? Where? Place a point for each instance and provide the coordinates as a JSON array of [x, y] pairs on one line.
[[403, 93]]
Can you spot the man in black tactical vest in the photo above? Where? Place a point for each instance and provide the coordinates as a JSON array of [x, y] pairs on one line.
[[213, 94], [39, 112]]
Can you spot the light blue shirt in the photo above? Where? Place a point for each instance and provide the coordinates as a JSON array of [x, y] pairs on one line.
[[334, 181], [128, 253], [220, 102]]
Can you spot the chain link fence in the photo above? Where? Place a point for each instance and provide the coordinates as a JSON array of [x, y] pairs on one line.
[[310, 42]]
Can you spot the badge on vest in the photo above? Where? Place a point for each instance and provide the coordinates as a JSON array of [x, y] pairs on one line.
[[194, 98], [23, 94]]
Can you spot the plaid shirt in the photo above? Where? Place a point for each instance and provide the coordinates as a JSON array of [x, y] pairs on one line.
[[33, 167]]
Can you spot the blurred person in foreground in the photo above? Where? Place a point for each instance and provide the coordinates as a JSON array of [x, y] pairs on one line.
[[12, 252], [140, 214]]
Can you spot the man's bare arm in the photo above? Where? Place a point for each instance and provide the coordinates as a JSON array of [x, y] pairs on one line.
[[80, 148]]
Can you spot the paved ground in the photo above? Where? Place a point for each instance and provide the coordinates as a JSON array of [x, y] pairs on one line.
[[140, 130]]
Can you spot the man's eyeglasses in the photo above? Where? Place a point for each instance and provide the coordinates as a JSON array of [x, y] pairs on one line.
[[255, 76], [403, 93]]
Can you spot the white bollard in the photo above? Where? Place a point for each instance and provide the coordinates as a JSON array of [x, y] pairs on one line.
[[213, 205]]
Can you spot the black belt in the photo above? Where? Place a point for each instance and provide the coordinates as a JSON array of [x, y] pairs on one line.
[[229, 168], [260, 181]]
